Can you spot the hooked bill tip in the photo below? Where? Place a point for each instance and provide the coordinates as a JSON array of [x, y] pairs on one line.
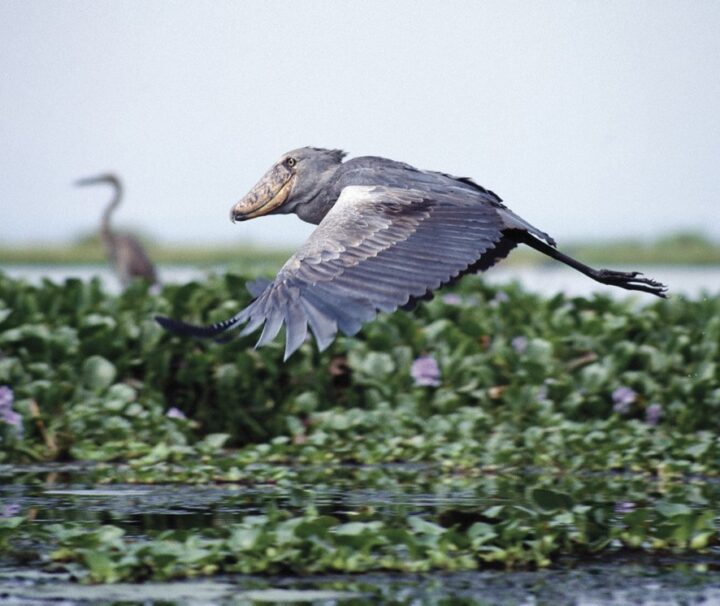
[[236, 216]]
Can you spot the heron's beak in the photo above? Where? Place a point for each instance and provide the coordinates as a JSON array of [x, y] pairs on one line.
[[87, 181], [271, 192]]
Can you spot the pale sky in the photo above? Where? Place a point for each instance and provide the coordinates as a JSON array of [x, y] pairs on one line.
[[591, 119]]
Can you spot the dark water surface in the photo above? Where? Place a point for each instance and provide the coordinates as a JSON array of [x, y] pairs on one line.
[[588, 584], [60, 493], [52, 494]]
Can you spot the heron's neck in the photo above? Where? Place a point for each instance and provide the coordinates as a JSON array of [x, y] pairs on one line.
[[105, 229]]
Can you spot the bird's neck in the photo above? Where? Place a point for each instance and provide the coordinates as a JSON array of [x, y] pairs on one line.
[[322, 198], [105, 229], [315, 210]]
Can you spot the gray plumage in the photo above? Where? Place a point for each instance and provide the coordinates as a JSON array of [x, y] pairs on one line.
[[388, 235], [125, 253]]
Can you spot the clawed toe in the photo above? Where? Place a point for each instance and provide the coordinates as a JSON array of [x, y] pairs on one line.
[[611, 274], [632, 280]]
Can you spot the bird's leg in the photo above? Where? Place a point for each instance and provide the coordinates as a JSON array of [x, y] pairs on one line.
[[630, 280]]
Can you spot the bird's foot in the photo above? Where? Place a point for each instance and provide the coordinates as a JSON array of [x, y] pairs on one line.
[[631, 280]]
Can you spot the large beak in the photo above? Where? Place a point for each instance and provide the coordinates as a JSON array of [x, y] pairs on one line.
[[270, 193]]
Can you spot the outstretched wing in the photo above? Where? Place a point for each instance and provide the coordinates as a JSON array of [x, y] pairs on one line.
[[375, 250]]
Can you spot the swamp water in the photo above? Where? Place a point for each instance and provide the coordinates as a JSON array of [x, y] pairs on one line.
[[49, 494]]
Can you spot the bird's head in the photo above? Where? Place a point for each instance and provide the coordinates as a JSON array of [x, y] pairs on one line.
[[292, 181], [104, 179]]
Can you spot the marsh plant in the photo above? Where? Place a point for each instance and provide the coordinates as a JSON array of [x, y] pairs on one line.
[[578, 425]]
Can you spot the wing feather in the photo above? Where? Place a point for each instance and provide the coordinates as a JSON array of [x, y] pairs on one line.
[[323, 328], [273, 323], [253, 324], [296, 322]]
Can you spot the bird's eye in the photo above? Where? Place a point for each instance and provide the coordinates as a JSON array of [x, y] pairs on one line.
[[291, 162]]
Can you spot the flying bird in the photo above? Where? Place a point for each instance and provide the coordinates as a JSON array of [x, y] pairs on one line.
[[126, 254], [388, 234]]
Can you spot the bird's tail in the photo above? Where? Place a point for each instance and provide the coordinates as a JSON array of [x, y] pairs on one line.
[[514, 222], [255, 288], [184, 329]]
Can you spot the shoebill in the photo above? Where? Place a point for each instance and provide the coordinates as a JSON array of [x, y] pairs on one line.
[[125, 253], [387, 235]]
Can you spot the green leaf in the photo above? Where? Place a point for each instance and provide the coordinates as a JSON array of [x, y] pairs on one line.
[[102, 568], [98, 373], [422, 526], [243, 539], [551, 500], [356, 528], [213, 442], [670, 510], [494, 511]]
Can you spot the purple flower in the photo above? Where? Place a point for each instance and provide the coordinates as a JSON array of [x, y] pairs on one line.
[[10, 510], [653, 414], [6, 397], [452, 299], [622, 398], [175, 413], [7, 414], [519, 344], [501, 297], [11, 418], [624, 507], [425, 371]]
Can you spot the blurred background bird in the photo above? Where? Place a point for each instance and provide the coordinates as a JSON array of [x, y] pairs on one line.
[[125, 253]]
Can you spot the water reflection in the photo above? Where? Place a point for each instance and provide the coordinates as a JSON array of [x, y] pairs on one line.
[[170, 507], [345, 493], [594, 583]]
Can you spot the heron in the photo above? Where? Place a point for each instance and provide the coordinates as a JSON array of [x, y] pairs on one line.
[[127, 256], [388, 235]]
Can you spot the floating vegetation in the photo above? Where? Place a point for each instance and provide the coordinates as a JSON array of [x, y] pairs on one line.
[[464, 524], [487, 428]]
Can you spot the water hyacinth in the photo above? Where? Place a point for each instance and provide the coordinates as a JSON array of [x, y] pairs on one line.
[[623, 507], [501, 297], [519, 344], [9, 510], [6, 397], [452, 299], [7, 414], [425, 372], [175, 413], [653, 414], [623, 397]]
